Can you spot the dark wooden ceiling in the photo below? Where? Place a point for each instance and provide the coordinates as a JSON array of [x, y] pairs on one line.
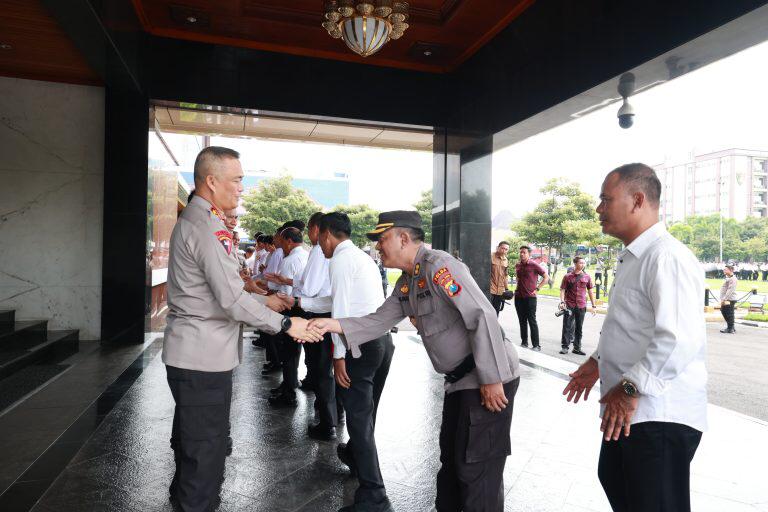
[[39, 49], [452, 30]]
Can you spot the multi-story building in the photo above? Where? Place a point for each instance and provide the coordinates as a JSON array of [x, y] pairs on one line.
[[733, 182]]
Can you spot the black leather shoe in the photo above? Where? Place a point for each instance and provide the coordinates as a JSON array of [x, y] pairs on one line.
[[278, 390], [578, 352], [537, 348], [728, 331], [524, 345], [283, 400], [306, 385], [345, 456], [321, 432], [257, 342], [270, 368], [383, 506], [564, 350]]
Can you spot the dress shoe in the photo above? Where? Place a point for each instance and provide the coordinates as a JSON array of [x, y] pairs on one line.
[[578, 352], [345, 456], [382, 506], [306, 385], [321, 432], [283, 400], [270, 368], [524, 345], [277, 390], [564, 350], [537, 348], [257, 342], [728, 331]]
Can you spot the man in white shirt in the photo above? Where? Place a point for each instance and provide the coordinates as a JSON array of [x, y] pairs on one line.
[[356, 291], [651, 355], [291, 267]]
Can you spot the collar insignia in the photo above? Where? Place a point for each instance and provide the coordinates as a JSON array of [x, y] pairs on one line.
[[404, 288], [417, 269]]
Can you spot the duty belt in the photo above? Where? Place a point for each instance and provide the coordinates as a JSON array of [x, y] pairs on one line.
[[458, 373]]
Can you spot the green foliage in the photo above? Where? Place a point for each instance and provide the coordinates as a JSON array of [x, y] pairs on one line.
[[274, 202], [756, 317], [363, 219], [742, 241], [566, 216], [424, 207]]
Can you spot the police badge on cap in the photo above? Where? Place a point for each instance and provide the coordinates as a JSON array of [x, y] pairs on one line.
[[395, 219]]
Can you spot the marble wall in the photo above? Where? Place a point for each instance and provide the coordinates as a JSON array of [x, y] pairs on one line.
[[51, 203]]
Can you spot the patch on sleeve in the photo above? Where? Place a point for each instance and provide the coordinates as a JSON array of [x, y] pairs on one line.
[[404, 288], [422, 283], [441, 276], [452, 288], [225, 238]]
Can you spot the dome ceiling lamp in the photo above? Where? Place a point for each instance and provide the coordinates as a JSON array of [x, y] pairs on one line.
[[365, 25]]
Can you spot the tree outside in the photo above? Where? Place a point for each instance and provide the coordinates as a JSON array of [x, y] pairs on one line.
[[742, 241], [363, 219], [274, 202], [424, 207]]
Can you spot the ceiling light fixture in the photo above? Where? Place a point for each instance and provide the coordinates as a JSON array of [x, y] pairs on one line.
[[365, 25], [191, 19]]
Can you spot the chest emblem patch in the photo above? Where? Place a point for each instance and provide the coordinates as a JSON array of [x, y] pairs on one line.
[[404, 288], [417, 269], [422, 283], [441, 276], [225, 239], [452, 288]]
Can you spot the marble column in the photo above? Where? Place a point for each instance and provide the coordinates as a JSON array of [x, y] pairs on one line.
[[51, 201]]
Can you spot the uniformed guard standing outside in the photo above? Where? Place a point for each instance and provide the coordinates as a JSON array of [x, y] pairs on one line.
[[206, 304], [464, 341]]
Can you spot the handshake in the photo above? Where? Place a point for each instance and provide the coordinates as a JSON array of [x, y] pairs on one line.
[[312, 331]]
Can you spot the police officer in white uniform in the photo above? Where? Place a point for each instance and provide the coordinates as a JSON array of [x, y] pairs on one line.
[[464, 341], [207, 302]]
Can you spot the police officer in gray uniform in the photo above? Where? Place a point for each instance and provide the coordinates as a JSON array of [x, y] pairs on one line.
[[464, 341], [207, 303]]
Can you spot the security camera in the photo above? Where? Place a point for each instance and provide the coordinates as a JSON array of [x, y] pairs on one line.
[[626, 87], [626, 115]]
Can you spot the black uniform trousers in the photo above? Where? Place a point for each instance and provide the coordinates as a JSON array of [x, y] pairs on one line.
[[199, 435], [368, 374], [319, 359], [649, 471], [474, 445], [290, 353], [526, 314], [728, 313], [270, 346], [497, 301], [572, 325]]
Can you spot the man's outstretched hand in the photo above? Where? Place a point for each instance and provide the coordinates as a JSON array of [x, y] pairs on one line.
[[582, 380], [325, 325], [276, 303], [302, 332]]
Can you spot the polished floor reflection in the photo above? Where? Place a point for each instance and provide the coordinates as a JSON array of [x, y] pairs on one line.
[[121, 460]]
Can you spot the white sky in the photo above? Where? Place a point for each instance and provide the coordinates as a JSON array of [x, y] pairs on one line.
[[717, 107]]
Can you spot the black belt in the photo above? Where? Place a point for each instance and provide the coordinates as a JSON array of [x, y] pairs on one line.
[[464, 367], [309, 315]]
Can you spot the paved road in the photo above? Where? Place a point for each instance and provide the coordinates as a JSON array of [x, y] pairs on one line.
[[737, 363]]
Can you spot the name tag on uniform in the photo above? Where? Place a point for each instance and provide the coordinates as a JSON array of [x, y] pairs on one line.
[[404, 298], [425, 293]]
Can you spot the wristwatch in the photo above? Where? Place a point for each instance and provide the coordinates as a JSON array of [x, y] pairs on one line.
[[285, 324], [629, 388]]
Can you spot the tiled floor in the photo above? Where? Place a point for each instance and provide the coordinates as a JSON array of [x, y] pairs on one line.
[[127, 465]]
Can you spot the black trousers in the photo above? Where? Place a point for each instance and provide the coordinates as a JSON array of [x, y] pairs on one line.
[[368, 374], [497, 301], [526, 314], [572, 325], [474, 445], [319, 359], [290, 353], [199, 435], [270, 346], [728, 313], [649, 471]]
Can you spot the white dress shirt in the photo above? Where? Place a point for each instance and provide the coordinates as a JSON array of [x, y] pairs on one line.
[[292, 266], [273, 265], [315, 281], [355, 288], [654, 333]]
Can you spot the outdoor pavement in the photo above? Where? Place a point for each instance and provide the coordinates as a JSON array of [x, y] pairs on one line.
[[126, 464]]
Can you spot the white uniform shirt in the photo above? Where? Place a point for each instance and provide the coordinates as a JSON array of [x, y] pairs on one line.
[[654, 333], [273, 265], [315, 281], [292, 266], [355, 288]]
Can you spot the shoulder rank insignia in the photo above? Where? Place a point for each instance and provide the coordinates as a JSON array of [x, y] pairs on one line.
[[216, 213], [441, 276], [422, 283], [416, 269], [404, 288], [225, 238], [452, 288]]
